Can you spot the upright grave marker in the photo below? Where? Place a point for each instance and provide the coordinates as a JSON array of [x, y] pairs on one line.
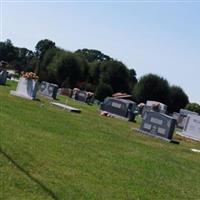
[[192, 127], [48, 89], [158, 124], [27, 86], [154, 106], [3, 76], [122, 108], [181, 117], [83, 96]]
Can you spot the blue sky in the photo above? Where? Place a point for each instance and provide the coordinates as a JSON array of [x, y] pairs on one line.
[[151, 37]]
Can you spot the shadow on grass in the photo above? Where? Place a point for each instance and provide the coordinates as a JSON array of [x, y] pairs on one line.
[[46, 189]]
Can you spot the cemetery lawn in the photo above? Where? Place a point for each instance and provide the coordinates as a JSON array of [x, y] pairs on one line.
[[47, 153]]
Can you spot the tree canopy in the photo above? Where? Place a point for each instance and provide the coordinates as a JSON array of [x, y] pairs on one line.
[[91, 70], [152, 87]]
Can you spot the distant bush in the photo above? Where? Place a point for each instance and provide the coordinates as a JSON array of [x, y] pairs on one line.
[[152, 87], [178, 99], [103, 90], [195, 107]]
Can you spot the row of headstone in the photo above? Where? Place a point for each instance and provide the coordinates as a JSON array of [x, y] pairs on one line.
[[28, 89], [119, 107], [3, 76]]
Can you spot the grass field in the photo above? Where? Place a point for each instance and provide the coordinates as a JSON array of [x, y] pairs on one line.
[[48, 153]]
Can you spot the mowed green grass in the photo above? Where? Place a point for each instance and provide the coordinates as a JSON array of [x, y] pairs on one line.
[[48, 153]]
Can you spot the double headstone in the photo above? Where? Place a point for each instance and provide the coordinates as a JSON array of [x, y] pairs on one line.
[[119, 107], [192, 127], [158, 124], [26, 88], [48, 89], [3, 76], [83, 96]]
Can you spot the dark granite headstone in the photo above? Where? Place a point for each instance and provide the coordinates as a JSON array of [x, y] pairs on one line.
[[158, 124], [120, 107], [48, 89], [81, 96], [3, 76]]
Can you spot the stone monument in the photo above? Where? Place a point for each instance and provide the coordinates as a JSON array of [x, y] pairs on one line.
[[158, 124], [3, 76], [192, 127], [26, 88], [48, 89]]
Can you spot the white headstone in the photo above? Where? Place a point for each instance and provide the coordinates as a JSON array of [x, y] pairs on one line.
[[26, 88], [192, 127]]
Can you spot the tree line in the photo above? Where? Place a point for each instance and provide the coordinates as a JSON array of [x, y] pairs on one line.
[[91, 70]]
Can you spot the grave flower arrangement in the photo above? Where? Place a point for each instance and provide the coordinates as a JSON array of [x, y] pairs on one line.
[[30, 75]]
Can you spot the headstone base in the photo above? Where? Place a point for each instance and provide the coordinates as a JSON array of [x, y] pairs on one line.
[[156, 136], [187, 136], [15, 93]]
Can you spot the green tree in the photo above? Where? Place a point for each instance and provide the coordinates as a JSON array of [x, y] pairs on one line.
[[152, 87], [195, 107], [115, 74], [66, 69], [92, 55], [41, 48], [8, 52], [103, 90], [178, 99]]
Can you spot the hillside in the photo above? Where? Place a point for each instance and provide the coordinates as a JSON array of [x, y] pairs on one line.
[[47, 153]]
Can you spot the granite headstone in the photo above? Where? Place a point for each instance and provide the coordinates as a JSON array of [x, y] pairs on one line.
[[48, 89], [3, 76], [158, 124], [120, 107]]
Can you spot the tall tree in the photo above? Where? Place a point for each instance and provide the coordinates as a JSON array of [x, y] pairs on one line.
[[92, 55], [8, 52], [66, 68], [41, 48], [152, 87], [115, 74], [178, 99]]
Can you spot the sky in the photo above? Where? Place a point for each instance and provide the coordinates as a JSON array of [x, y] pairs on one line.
[[160, 37]]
